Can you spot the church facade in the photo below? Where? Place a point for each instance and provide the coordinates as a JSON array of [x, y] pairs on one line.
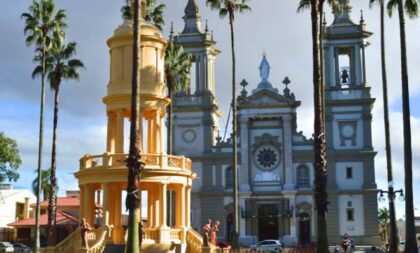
[[275, 161]]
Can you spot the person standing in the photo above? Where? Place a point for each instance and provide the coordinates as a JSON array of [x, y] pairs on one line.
[[214, 230]]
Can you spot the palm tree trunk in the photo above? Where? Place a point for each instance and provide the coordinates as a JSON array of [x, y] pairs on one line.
[[410, 241], [40, 147], [52, 198], [319, 142], [235, 239], [170, 130], [393, 226], [133, 161]]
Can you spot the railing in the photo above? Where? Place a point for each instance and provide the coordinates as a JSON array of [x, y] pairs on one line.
[[100, 235], [195, 242], [152, 161], [69, 244], [175, 234], [151, 233]]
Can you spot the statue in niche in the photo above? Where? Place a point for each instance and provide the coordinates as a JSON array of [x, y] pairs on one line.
[[267, 176]]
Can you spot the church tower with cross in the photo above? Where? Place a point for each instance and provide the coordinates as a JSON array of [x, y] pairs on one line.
[[348, 103]]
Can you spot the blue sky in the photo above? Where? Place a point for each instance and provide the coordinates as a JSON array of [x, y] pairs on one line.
[[274, 27]]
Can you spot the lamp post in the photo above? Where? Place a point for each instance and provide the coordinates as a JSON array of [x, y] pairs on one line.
[[393, 225]]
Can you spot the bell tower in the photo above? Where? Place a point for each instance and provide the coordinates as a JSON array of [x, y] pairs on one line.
[[348, 105], [195, 110]]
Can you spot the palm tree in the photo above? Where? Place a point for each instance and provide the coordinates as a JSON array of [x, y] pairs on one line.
[[393, 226], [228, 8], [45, 181], [153, 13], [177, 75], [133, 161], [411, 8], [42, 23], [60, 66]]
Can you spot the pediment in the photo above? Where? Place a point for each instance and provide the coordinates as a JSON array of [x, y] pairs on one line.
[[268, 98]]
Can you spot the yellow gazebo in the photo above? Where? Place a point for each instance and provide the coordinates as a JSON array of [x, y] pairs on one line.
[[162, 174]]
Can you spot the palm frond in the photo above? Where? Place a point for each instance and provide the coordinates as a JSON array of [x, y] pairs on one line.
[[304, 5], [390, 6], [411, 8]]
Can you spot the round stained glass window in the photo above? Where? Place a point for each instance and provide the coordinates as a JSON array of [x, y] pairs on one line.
[[267, 157]]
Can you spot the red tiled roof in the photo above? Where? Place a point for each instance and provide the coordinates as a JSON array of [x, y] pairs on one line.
[[62, 219], [61, 202]]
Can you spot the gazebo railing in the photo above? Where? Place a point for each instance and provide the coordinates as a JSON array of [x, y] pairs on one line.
[[152, 161]]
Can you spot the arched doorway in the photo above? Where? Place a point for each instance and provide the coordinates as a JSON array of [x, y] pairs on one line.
[[268, 224], [304, 228]]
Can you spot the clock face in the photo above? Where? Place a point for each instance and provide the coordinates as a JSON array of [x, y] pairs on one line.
[[267, 157]]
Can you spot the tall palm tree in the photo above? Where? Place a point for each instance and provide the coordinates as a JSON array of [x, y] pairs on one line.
[[177, 75], [229, 8], [45, 181], [42, 23], [320, 160], [412, 9], [393, 226], [134, 164], [60, 66], [153, 12]]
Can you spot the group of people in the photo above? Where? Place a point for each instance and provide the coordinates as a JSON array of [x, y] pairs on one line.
[[347, 244], [208, 228]]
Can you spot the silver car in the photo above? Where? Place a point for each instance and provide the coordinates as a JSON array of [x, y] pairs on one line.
[[268, 245], [6, 247]]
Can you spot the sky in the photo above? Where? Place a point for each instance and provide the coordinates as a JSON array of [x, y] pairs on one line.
[[273, 27]]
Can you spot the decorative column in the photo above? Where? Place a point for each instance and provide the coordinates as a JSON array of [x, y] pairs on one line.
[[180, 204], [106, 203], [119, 140], [111, 131], [118, 230], [157, 131], [150, 146], [188, 206], [244, 175], [87, 203], [288, 163], [163, 204], [82, 202], [150, 206]]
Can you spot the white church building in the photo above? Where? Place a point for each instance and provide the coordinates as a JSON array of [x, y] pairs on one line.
[[275, 161]]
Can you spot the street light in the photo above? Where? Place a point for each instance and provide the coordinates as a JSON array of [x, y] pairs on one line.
[[391, 195], [393, 224]]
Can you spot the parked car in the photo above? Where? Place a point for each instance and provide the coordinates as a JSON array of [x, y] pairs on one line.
[[21, 248], [268, 245], [6, 247]]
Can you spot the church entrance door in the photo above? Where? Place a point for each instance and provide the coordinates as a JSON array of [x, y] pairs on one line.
[[304, 229], [268, 223]]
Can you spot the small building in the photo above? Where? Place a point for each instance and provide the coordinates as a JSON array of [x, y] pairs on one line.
[[14, 206], [67, 220]]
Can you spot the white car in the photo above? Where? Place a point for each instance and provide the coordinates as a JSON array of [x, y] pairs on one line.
[[268, 245], [6, 247]]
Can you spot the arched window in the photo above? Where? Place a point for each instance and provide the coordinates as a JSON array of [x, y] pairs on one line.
[[229, 178], [303, 176]]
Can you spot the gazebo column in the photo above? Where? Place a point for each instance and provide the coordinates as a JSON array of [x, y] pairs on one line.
[[110, 145], [180, 204], [118, 230], [88, 204], [119, 140], [106, 203], [163, 205], [150, 210], [150, 131], [82, 202], [157, 120], [187, 206]]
